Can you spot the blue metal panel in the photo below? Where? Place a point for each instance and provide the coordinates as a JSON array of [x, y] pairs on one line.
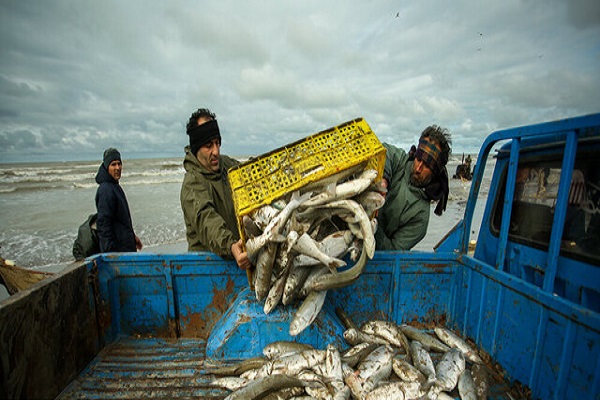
[[541, 340], [245, 330]]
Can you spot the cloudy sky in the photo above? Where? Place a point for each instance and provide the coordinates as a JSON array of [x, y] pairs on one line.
[[79, 76]]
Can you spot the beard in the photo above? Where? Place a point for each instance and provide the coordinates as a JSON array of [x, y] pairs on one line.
[[420, 181]]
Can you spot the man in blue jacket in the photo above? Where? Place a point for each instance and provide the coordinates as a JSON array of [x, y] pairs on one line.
[[114, 227]]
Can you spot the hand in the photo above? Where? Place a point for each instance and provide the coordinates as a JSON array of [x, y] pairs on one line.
[[241, 257], [138, 243]]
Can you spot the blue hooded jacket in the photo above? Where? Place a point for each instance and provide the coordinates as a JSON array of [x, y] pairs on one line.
[[115, 230]]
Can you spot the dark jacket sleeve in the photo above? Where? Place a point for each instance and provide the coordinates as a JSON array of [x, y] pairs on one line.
[[208, 225]]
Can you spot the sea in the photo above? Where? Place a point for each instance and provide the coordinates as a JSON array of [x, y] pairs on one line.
[[43, 204]]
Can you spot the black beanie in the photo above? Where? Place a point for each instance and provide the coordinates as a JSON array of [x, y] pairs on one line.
[[111, 154], [202, 134]]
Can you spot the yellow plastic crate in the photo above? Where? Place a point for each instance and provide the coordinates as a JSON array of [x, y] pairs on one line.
[[266, 178]]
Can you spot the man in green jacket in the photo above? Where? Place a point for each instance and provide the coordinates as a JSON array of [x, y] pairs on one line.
[[208, 212], [413, 181]]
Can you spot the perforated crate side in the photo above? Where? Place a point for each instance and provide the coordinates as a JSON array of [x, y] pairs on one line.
[[262, 180]]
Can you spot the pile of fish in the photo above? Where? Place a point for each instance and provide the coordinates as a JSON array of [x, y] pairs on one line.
[[298, 242], [384, 361]]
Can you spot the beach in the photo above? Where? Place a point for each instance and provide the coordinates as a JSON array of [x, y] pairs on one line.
[[43, 204]]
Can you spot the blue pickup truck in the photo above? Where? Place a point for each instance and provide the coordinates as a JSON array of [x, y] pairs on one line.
[[151, 325]]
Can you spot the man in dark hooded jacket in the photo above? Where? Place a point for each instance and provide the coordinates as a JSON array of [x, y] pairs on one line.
[[206, 200], [413, 181], [114, 227]]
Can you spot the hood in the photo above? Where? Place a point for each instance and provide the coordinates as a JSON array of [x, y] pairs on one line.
[[104, 177]]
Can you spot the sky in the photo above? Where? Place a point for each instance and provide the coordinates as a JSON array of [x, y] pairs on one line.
[[78, 76]]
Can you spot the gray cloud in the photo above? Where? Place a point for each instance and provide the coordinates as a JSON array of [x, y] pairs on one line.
[[77, 77]]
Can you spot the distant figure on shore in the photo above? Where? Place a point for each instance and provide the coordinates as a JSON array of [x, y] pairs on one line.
[[206, 202], [413, 181], [113, 224], [463, 170]]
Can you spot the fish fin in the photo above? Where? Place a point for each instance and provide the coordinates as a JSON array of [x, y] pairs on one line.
[[334, 264], [330, 189]]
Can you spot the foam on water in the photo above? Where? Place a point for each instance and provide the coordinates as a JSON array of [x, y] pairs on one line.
[[42, 206]]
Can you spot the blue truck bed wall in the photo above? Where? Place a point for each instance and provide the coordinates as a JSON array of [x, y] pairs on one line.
[[531, 305]]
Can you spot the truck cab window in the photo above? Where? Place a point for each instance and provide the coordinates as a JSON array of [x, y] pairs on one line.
[[535, 200]]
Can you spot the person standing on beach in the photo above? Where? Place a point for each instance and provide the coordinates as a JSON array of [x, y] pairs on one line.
[[206, 201], [413, 181], [114, 227]]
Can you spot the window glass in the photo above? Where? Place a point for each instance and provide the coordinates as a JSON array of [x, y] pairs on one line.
[[535, 202]]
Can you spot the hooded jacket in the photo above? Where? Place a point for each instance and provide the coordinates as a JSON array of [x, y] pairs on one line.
[[403, 219], [207, 205], [114, 227]]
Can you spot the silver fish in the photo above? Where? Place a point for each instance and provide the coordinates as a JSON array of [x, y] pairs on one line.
[[389, 391], [307, 246], [358, 352], [344, 190], [376, 367], [238, 368], [414, 390], [422, 361], [407, 372], [371, 201], [444, 396], [262, 386], [342, 394], [294, 282], [250, 227], [282, 348], [292, 364], [264, 270], [428, 341], [333, 368], [335, 245], [341, 279], [355, 336], [276, 291], [448, 369], [361, 217], [453, 340], [333, 179], [307, 312], [315, 275], [272, 231], [320, 392], [385, 330], [355, 384], [263, 215], [466, 386], [285, 393], [229, 382]]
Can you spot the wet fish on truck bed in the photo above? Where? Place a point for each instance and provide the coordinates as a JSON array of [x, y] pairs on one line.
[[362, 371]]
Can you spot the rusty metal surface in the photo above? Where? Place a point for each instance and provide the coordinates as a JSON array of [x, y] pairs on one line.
[[138, 368]]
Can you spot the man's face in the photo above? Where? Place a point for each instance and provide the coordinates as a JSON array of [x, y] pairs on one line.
[[114, 169], [421, 175], [209, 154]]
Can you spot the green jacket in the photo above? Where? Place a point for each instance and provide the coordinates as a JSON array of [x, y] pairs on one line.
[[207, 205], [403, 219]]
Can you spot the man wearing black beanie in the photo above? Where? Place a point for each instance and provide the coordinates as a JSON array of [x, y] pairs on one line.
[[114, 227], [206, 201]]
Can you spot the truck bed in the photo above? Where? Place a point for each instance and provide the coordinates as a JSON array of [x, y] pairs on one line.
[[146, 368]]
